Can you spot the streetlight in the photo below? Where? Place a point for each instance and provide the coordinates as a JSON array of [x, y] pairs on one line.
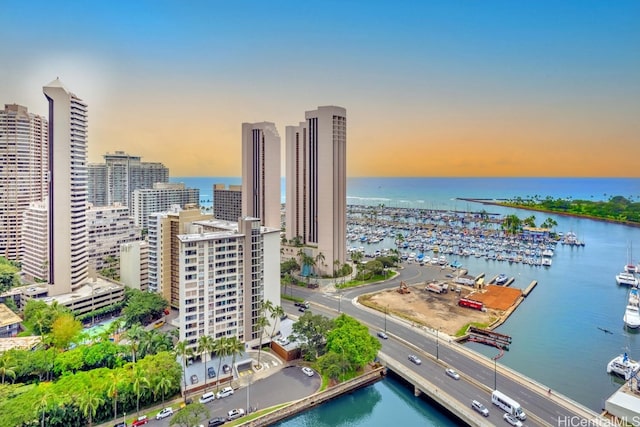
[[385, 318], [437, 343], [495, 374], [124, 418], [339, 301]]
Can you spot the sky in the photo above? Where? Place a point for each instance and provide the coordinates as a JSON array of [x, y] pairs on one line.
[[431, 88]]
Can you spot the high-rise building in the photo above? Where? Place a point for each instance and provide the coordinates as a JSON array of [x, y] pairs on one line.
[[35, 243], [261, 173], [23, 176], [227, 203], [134, 265], [108, 228], [68, 261], [316, 185], [115, 180], [226, 271], [163, 227], [160, 198]]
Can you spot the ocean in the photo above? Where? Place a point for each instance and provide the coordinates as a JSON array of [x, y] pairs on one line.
[[557, 332]]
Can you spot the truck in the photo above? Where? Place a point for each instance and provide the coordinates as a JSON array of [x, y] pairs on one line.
[[437, 288], [466, 302]]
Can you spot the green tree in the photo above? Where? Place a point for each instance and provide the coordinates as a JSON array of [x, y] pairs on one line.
[[7, 368], [65, 330], [311, 330], [205, 347], [190, 415], [163, 385], [261, 323], [139, 383], [142, 307], [235, 347], [352, 339], [135, 334], [221, 348], [276, 313], [9, 275], [114, 379], [185, 352], [88, 403], [334, 365]]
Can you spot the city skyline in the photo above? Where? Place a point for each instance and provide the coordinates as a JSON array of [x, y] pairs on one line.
[[492, 88]]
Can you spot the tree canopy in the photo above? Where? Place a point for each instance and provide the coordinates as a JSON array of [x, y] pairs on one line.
[[311, 331], [143, 307], [9, 274]]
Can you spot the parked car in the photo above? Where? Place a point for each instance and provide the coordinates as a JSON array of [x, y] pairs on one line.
[[217, 421], [382, 335], [235, 413], [194, 379], [480, 408], [415, 359], [453, 374], [302, 309], [226, 369], [227, 391], [122, 424], [307, 371], [164, 413], [142, 420], [211, 372], [512, 420]]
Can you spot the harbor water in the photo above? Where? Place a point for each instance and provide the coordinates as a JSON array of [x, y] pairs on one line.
[[559, 336]]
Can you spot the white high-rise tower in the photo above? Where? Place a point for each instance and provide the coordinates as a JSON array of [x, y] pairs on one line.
[[68, 193]]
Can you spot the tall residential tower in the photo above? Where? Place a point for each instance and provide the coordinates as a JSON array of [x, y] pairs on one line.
[[261, 173], [316, 170], [68, 260]]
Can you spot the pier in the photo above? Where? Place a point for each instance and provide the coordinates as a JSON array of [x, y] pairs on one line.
[[529, 288]]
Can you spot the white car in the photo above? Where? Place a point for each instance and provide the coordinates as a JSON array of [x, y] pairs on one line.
[[512, 420], [307, 371], [166, 412], [235, 413], [227, 391], [453, 374], [480, 408]]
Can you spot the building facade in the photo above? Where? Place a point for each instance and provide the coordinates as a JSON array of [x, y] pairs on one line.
[[67, 191], [115, 180], [163, 228], [316, 186], [23, 177], [261, 173], [109, 227], [226, 272], [160, 198], [227, 203], [134, 265], [35, 242]]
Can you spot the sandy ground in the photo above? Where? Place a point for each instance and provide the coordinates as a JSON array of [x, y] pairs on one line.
[[441, 311]]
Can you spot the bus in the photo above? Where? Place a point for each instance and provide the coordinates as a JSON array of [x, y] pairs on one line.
[[508, 405]]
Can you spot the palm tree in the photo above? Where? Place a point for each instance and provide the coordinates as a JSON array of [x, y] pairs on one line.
[[6, 367], [114, 378], [43, 403], [183, 350], [336, 267], [135, 334], [163, 385], [320, 258], [139, 382], [276, 313], [88, 402], [220, 347], [234, 347], [205, 346], [261, 323]]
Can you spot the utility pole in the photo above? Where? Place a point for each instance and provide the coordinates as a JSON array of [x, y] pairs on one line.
[[437, 344]]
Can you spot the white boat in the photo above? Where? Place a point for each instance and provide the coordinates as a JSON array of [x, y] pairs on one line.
[[631, 316], [546, 262], [630, 267], [626, 279], [623, 366]]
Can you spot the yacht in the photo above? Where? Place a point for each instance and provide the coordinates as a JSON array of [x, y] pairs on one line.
[[632, 312], [501, 279], [623, 366], [626, 279]]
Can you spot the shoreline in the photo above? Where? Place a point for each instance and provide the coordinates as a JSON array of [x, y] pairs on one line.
[[496, 202]]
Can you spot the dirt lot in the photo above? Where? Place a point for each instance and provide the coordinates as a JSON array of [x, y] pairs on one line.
[[441, 311]]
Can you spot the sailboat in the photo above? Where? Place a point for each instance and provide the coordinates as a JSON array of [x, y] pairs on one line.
[[631, 316], [630, 268]]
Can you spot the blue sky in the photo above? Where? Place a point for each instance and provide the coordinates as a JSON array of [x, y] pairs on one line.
[[476, 88]]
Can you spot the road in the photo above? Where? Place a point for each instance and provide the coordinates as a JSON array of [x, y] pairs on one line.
[[479, 374]]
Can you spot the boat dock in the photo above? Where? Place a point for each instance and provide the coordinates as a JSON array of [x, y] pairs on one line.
[[529, 288]]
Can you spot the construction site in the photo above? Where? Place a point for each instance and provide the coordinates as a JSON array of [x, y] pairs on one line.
[[445, 305]]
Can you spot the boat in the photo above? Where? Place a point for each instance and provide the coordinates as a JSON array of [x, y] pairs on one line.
[[631, 316], [626, 279], [623, 366], [630, 267], [546, 262], [501, 279]]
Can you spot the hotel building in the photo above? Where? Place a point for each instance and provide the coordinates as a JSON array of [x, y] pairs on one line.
[[261, 173], [160, 198], [108, 228], [316, 186], [227, 203]]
